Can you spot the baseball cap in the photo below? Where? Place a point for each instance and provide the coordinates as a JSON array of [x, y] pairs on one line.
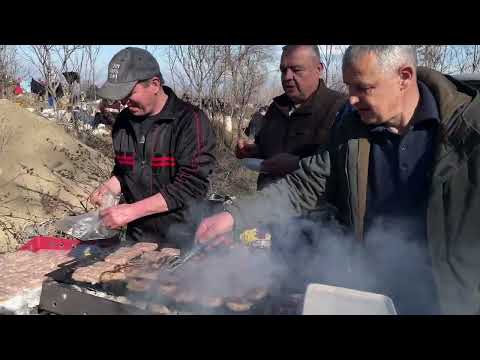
[[126, 68]]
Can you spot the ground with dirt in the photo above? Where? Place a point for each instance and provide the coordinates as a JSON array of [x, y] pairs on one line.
[[47, 171]]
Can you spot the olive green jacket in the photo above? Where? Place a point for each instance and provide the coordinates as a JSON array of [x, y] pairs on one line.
[[338, 175]]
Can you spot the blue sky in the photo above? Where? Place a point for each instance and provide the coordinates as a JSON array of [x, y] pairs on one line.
[[108, 51]]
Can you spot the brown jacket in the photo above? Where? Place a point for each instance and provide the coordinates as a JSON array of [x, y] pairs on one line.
[[301, 132]]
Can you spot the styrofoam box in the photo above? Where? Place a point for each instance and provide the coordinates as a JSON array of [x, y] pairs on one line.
[[331, 300]]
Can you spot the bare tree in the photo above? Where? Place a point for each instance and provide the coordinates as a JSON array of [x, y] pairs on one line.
[[270, 89], [326, 54], [10, 68], [331, 56], [51, 61], [173, 75], [465, 58], [70, 57], [475, 58], [437, 57], [40, 56], [247, 67], [92, 54], [197, 67]]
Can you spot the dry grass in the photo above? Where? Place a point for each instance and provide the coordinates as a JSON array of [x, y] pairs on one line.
[[230, 177], [5, 134]]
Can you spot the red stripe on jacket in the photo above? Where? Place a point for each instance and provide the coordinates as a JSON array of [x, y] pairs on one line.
[[124, 157]]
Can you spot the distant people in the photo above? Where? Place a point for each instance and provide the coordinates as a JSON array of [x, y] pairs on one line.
[[18, 89], [75, 96], [50, 100], [107, 112], [256, 123]]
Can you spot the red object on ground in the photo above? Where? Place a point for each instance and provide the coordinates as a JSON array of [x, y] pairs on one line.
[[18, 90], [49, 243]]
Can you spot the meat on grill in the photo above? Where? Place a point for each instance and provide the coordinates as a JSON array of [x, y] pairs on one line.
[[170, 252], [93, 273], [238, 304], [183, 287], [139, 285], [145, 246], [155, 259], [113, 276], [184, 296], [159, 309], [24, 270], [123, 255], [143, 272], [211, 301], [167, 289], [256, 294], [152, 257]]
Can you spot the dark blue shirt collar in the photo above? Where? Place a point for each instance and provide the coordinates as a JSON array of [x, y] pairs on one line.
[[425, 113], [427, 108]]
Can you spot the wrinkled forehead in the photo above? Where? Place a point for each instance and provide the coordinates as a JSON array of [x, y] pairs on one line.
[[297, 56]]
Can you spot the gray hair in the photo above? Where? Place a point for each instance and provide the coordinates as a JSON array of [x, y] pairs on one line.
[[390, 57], [313, 48]]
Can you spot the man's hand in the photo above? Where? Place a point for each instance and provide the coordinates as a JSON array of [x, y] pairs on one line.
[[111, 186], [245, 149], [116, 216], [96, 198], [216, 230], [281, 164]]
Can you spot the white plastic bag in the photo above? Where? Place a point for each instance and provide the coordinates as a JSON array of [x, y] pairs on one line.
[[89, 226]]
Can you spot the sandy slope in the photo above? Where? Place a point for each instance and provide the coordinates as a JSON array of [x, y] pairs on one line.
[[44, 172]]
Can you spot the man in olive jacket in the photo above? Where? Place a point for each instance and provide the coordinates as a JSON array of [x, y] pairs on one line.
[[365, 174]]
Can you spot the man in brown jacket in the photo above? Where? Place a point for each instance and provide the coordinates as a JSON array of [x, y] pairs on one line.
[[296, 122]]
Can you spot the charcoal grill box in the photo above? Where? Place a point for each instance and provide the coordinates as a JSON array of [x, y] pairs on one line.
[[62, 299], [63, 295]]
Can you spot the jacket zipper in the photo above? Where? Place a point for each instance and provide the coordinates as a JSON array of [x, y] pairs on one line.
[[349, 255]]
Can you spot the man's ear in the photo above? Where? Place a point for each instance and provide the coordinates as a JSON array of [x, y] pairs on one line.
[[320, 68], [406, 74], [156, 82]]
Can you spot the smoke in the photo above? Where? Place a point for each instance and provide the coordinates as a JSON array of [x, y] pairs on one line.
[[393, 260], [229, 273], [225, 272]]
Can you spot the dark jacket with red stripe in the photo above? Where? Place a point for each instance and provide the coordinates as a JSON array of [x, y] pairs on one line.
[[175, 160]]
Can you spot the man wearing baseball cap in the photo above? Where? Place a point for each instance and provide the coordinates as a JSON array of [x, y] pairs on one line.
[[163, 152]]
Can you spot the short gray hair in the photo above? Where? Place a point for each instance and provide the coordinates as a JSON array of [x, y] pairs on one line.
[[146, 83], [313, 48], [390, 57]]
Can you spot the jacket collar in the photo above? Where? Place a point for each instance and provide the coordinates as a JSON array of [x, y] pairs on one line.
[[169, 109], [453, 98], [315, 101]]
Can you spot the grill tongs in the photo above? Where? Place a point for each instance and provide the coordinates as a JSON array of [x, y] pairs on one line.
[[179, 261]]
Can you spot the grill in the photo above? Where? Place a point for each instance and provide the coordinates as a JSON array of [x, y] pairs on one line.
[[64, 296]]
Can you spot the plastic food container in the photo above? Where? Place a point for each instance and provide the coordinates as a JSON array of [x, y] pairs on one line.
[[49, 243]]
